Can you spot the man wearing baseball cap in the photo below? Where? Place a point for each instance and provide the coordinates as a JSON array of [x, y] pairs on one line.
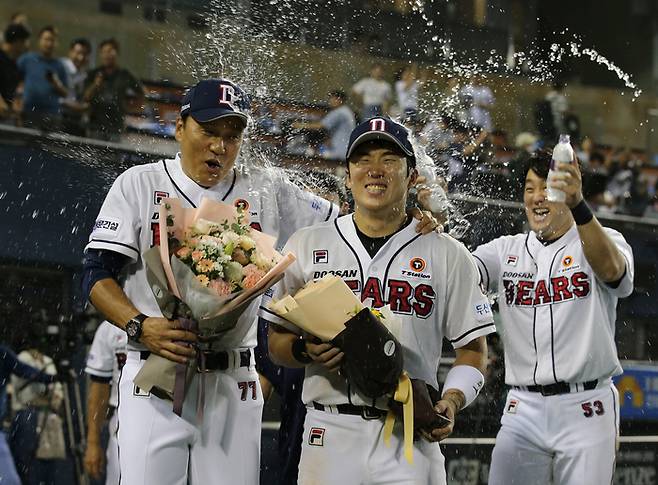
[[155, 445], [432, 286]]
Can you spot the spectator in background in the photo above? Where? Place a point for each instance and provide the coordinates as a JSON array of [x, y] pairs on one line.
[[375, 93], [107, 89], [33, 402], [75, 63], [10, 365], [44, 80], [338, 124], [19, 18], [16, 42], [480, 99], [406, 90], [559, 105]]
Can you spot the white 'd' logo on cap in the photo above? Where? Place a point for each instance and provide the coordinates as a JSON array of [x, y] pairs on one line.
[[227, 95], [377, 125]]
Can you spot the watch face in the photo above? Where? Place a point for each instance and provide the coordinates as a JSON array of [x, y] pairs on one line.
[[132, 329]]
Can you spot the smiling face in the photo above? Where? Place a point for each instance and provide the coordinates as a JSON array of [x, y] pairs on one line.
[[378, 178], [209, 150], [549, 220]]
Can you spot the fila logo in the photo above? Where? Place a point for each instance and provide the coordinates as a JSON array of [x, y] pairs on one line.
[[511, 260], [512, 406], [226, 95], [158, 195], [316, 437], [320, 256], [377, 124]]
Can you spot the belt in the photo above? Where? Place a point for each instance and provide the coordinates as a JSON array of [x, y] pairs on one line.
[[559, 388], [218, 360], [366, 412]]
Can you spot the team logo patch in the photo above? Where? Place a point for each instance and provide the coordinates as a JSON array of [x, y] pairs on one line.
[[482, 311], [316, 437], [320, 256], [417, 264], [158, 195], [567, 261], [241, 204], [139, 392], [377, 124], [512, 406], [511, 260]]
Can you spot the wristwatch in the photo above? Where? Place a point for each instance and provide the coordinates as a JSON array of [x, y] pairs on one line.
[[134, 327]]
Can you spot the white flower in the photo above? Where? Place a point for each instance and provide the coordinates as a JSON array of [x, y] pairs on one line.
[[230, 237], [261, 261], [202, 226], [246, 243]]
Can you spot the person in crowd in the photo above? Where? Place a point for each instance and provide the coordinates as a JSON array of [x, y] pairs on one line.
[[107, 90], [480, 99], [44, 82], [406, 90], [16, 42], [75, 63], [10, 366], [374, 92], [338, 124], [559, 105]]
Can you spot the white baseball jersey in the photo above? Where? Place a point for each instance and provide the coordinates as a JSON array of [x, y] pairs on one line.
[[430, 282], [128, 221], [558, 318], [107, 356]]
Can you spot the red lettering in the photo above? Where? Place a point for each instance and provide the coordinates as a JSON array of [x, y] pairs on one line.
[[523, 296], [256, 225], [373, 289], [352, 285], [424, 303], [399, 295], [561, 289], [509, 291], [580, 284], [155, 234], [542, 295]]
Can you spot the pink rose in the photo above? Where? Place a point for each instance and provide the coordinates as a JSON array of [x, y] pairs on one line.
[[221, 287], [252, 275], [184, 252], [197, 255]]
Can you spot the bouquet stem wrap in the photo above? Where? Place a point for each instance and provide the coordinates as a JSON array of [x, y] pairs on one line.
[[403, 394]]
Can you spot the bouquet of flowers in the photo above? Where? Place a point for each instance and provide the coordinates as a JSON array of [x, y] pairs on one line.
[[373, 363], [208, 268]]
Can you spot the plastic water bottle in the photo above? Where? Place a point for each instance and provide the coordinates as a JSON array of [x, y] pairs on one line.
[[562, 153]]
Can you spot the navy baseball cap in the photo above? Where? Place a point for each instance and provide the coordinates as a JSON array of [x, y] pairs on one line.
[[382, 128], [212, 99]]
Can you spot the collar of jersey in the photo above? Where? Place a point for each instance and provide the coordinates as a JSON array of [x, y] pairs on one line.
[[347, 227], [193, 191], [537, 245]]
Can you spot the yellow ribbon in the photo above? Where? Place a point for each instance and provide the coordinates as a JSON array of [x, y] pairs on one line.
[[404, 395]]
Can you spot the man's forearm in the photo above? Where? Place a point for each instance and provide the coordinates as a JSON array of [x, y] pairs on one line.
[[280, 347], [108, 298], [97, 404], [601, 252]]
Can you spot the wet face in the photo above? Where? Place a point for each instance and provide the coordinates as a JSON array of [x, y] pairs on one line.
[[378, 178], [209, 150], [79, 55], [108, 55], [47, 43], [549, 220]]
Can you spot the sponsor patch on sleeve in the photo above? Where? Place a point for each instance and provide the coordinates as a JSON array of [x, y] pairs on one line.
[[107, 224], [482, 311]]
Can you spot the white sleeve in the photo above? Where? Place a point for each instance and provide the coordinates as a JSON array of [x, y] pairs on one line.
[[359, 86], [293, 280], [117, 226], [468, 312], [100, 360], [487, 258], [625, 287], [299, 208]]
